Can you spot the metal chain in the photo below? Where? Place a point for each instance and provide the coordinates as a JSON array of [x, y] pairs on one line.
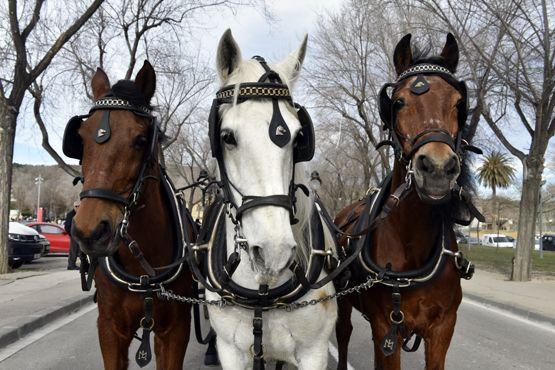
[[169, 295], [288, 307], [369, 283]]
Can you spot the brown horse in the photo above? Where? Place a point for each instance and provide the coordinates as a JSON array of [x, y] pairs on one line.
[[118, 147], [425, 116]]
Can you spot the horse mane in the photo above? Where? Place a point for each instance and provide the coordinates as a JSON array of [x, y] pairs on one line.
[[421, 55], [127, 90]]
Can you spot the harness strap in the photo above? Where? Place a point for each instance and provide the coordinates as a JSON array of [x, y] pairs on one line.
[[86, 270], [252, 201], [257, 347], [394, 199], [144, 353], [104, 194], [397, 318]]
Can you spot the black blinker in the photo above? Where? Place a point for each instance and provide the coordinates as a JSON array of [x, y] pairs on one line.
[[102, 133], [278, 131], [420, 85]]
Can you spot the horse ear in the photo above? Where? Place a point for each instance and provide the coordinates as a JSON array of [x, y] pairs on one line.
[[291, 65], [450, 53], [146, 80], [228, 56], [100, 84], [402, 56]]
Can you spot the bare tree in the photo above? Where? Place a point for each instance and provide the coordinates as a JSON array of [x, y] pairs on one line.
[[27, 50], [520, 60]]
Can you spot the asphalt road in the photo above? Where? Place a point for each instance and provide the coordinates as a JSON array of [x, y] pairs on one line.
[[484, 339], [44, 263]]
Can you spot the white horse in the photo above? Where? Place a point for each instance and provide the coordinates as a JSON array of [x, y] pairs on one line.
[[257, 166]]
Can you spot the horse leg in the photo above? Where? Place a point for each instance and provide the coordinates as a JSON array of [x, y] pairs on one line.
[[170, 346], [231, 358], [380, 327], [114, 347], [438, 341], [313, 358], [343, 330]]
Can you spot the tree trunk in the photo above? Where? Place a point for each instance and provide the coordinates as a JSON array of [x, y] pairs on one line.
[[532, 174], [8, 119]]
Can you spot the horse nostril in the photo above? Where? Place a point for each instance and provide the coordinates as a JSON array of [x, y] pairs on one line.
[[258, 254], [423, 164], [102, 230], [452, 167]]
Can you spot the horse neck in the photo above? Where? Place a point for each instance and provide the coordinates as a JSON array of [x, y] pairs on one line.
[[411, 230], [150, 225]]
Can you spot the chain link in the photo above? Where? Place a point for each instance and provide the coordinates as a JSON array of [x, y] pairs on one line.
[[169, 295], [288, 307]]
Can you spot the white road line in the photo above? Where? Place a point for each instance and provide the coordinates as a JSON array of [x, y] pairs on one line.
[[335, 354], [544, 326], [42, 332]]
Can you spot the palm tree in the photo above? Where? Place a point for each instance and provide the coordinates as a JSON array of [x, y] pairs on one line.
[[496, 172]]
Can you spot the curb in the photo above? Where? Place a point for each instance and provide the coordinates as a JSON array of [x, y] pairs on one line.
[[524, 313], [40, 321]]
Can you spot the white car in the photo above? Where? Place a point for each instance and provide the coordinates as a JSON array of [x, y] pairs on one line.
[[24, 244], [496, 240]]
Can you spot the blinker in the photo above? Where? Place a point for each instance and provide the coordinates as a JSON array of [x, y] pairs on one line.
[[102, 133], [420, 85]]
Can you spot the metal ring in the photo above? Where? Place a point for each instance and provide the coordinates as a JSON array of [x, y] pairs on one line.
[[143, 321], [397, 321], [251, 350]]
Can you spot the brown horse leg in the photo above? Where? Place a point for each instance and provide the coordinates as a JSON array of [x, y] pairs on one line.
[[380, 327], [170, 347], [114, 347], [438, 340], [343, 330]]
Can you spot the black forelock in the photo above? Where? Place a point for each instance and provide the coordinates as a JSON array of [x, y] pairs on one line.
[[421, 55], [127, 90]]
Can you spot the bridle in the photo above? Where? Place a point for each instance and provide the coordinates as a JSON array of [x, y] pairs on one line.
[[388, 109], [269, 86]]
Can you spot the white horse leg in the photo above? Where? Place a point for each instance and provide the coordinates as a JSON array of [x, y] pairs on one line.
[[231, 358], [313, 358]]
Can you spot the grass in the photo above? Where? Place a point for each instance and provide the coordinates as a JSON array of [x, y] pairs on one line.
[[500, 259]]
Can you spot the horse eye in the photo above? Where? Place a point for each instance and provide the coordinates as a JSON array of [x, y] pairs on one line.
[[139, 142], [399, 103], [228, 137]]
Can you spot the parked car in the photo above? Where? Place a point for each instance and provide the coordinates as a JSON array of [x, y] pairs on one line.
[[548, 242], [496, 240], [56, 235], [470, 240], [24, 244]]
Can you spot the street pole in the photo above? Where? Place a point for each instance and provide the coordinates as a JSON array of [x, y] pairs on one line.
[[38, 181]]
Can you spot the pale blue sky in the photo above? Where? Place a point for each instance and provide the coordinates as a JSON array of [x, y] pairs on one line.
[[255, 35]]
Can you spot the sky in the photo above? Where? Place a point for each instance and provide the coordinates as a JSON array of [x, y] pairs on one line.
[[256, 36], [292, 19]]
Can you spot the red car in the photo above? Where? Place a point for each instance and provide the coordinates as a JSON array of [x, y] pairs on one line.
[[56, 235]]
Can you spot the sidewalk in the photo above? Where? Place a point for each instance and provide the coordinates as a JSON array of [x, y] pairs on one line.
[[32, 299], [533, 299]]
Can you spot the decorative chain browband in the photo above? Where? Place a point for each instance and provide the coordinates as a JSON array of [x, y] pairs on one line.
[[116, 103], [424, 68], [254, 90]]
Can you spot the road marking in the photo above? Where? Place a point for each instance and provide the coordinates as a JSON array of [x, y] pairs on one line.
[[15, 347], [335, 354], [544, 326]]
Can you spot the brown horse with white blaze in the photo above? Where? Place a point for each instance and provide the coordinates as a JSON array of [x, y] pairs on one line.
[[118, 147], [412, 247]]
